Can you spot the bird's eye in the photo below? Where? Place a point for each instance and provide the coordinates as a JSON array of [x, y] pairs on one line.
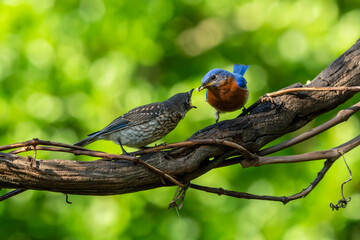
[[213, 76]]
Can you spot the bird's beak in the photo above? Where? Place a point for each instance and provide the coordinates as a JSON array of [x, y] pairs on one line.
[[200, 88], [190, 93], [192, 106], [204, 85]]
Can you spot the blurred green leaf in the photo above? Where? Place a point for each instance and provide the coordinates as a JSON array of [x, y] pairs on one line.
[[68, 68]]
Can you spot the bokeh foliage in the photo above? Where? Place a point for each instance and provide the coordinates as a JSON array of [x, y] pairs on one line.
[[67, 68]]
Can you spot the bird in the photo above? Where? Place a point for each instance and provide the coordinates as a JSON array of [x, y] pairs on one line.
[[144, 124], [225, 91]]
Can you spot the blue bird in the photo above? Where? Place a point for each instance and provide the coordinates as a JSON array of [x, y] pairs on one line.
[[226, 91], [145, 124]]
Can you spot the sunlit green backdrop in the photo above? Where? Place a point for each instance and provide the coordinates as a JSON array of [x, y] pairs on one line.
[[68, 68]]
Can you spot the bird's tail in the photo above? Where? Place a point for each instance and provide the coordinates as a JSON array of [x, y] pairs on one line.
[[240, 69], [86, 141]]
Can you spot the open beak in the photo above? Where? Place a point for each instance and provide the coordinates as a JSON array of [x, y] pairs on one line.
[[192, 106], [190, 92]]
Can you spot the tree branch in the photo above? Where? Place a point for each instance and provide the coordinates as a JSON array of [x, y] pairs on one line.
[[318, 155], [283, 199], [341, 116], [11, 194], [244, 135], [305, 89]]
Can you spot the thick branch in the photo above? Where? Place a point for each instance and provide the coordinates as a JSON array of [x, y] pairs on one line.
[[263, 124]]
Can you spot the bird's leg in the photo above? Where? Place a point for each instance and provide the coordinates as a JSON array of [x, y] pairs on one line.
[[217, 116], [161, 144], [244, 110], [122, 148]]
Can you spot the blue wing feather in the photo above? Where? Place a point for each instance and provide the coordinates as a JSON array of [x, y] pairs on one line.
[[239, 71], [241, 81]]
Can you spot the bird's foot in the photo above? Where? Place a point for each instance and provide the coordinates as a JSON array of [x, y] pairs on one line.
[[161, 144], [266, 98], [244, 111]]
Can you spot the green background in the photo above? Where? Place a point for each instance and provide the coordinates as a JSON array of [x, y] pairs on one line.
[[68, 68]]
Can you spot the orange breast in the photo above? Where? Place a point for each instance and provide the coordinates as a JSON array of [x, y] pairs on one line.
[[227, 98]]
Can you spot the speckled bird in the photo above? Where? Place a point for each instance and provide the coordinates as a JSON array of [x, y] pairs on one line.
[[226, 91], [145, 124]]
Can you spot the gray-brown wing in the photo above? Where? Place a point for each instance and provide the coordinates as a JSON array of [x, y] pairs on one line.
[[134, 117]]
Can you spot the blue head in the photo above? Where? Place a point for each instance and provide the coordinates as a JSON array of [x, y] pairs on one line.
[[218, 77]]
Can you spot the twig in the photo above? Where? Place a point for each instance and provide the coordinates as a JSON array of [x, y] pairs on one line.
[[67, 199], [29, 145], [283, 199], [340, 117], [179, 196], [86, 152], [327, 165], [11, 194], [36, 141], [342, 203], [246, 153], [317, 155], [303, 89], [221, 191], [350, 178], [269, 96]]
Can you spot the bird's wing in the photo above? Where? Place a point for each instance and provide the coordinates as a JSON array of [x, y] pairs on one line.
[[134, 117]]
